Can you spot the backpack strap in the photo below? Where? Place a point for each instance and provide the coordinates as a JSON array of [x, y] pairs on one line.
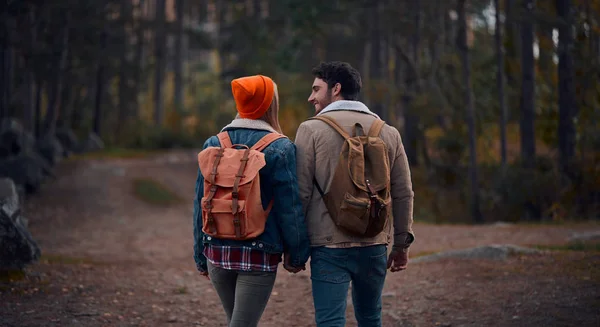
[[213, 191], [266, 140], [376, 127], [224, 139], [331, 122], [235, 195]]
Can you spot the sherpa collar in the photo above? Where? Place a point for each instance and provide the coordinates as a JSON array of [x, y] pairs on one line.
[[348, 105], [250, 124]]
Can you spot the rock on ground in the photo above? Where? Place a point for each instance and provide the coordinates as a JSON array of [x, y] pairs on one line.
[[68, 139], [14, 139], [17, 247], [92, 143], [28, 169], [593, 236], [51, 149]]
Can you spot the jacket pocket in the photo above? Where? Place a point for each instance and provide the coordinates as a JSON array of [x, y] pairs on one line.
[[354, 214]]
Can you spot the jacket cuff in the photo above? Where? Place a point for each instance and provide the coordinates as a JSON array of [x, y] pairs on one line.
[[403, 240]]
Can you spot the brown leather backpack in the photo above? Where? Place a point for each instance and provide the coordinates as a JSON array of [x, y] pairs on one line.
[[359, 197], [231, 204]]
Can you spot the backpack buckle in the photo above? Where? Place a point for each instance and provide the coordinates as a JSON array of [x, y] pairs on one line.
[[235, 195]]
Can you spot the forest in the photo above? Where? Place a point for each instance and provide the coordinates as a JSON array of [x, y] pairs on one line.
[[497, 102]]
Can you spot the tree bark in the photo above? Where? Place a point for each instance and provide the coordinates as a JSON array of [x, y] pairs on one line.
[[178, 97], [39, 91], [124, 89], [5, 63], [159, 53], [500, 81], [566, 86], [527, 88], [55, 89], [469, 102], [412, 80], [29, 115], [97, 121], [139, 59]]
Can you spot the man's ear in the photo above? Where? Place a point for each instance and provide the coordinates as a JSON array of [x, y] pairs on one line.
[[337, 89]]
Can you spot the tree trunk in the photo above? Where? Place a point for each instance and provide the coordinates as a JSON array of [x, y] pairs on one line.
[[412, 129], [527, 88], [178, 97], [139, 60], [511, 34], [566, 86], [469, 102], [5, 52], [55, 89], [500, 81], [375, 37], [39, 91], [124, 89], [159, 53], [97, 121], [29, 115], [66, 92]]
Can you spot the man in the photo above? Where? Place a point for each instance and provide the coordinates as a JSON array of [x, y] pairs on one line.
[[337, 256]]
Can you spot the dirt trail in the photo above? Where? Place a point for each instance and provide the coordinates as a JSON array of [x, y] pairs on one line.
[[110, 259]]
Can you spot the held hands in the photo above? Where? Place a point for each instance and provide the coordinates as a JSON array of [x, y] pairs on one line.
[[205, 274], [398, 260], [288, 267]]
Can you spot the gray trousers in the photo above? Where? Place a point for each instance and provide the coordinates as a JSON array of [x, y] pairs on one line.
[[244, 295]]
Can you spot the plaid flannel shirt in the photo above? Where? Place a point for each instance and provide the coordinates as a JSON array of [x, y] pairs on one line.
[[241, 258]]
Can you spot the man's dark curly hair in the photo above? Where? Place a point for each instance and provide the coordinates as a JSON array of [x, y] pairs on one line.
[[334, 72]]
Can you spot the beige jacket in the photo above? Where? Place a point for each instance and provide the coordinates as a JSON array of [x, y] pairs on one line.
[[318, 148]]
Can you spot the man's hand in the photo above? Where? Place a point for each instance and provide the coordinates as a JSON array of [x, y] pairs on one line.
[[288, 267], [398, 260]]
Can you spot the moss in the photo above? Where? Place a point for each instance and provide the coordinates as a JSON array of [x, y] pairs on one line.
[[153, 192], [65, 260], [11, 275]]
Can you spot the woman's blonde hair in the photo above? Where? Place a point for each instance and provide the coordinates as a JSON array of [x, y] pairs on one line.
[[272, 114]]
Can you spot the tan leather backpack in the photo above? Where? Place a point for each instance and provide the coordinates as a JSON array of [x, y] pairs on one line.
[[359, 197], [231, 204]]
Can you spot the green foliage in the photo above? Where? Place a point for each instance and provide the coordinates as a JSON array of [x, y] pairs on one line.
[[572, 246], [403, 52], [164, 138], [153, 192]]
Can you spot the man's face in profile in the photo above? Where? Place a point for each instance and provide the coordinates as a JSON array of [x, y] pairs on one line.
[[320, 96]]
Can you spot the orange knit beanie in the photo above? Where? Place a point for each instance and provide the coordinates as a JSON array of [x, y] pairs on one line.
[[253, 95]]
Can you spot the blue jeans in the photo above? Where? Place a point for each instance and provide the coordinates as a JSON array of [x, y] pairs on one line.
[[332, 270]]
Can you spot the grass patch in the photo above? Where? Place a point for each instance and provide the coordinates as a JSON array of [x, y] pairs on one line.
[[115, 153], [422, 254], [181, 290], [153, 192], [11, 275], [64, 260], [573, 246]]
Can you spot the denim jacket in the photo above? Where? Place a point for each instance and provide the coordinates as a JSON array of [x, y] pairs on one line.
[[285, 230]]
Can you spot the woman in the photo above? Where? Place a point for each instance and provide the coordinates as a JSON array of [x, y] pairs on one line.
[[243, 272]]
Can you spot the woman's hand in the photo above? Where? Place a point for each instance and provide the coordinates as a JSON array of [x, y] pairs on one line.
[[288, 267], [205, 274]]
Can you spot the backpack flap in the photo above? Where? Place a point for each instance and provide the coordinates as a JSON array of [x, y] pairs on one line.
[[229, 165], [376, 163], [364, 162]]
